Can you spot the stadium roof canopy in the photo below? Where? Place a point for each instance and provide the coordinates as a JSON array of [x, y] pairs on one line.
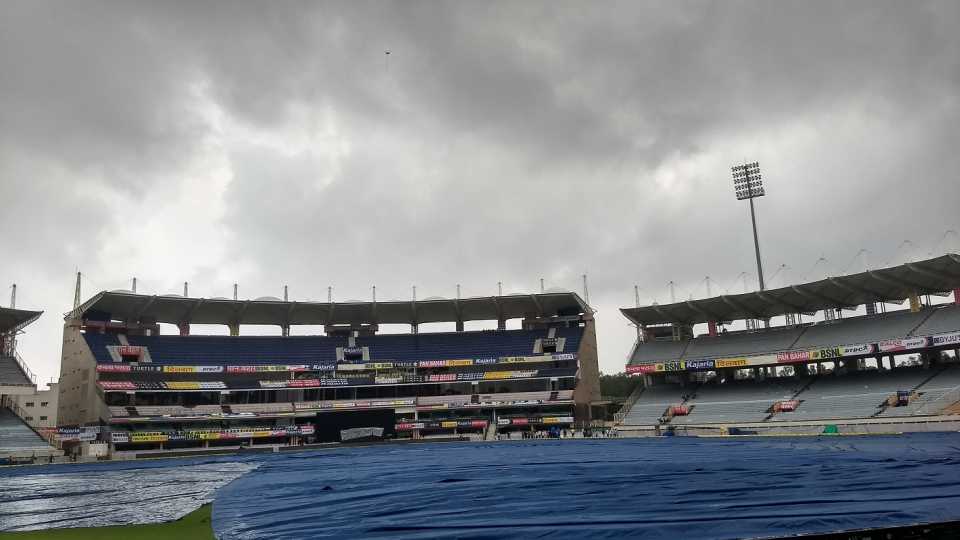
[[15, 319], [893, 284], [174, 309]]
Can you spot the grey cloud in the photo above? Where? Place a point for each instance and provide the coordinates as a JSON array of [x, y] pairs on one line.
[[499, 141]]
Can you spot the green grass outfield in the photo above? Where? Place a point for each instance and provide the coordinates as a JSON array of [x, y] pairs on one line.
[[195, 525]]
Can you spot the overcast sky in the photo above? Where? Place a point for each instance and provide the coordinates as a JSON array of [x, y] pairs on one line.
[[276, 143]]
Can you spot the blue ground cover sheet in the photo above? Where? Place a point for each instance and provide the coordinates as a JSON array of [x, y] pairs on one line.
[[672, 487]]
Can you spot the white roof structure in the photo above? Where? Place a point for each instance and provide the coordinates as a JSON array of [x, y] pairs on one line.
[[937, 275], [130, 307]]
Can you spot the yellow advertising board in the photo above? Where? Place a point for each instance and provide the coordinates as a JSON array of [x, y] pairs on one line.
[[180, 385], [179, 369], [730, 362], [148, 437], [455, 363], [447, 424], [497, 375]]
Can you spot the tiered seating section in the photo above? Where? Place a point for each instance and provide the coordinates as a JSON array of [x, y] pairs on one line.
[[428, 403], [309, 350], [855, 330], [862, 394]]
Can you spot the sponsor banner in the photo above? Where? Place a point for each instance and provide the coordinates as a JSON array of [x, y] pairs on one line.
[[894, 345], [304, 383], [547, 341], [405, 363], [789, 357], [129, 350], [675, 366], [446, 424], [86, 433], [263, 369], [273, 384], [694, 365], [179, 369], [637, 369], [826, 353], [352, 351], [512, 359], [945, 339], [459, 363], [484, 361], [472, 376], [857, 350], [730, 362], [143, 368], [380, 365], [119, 437], [432, 363], [194, 385], [323, 367], [148, 437], [408, 426], [565, 356], [117, 385], [388, 380], [334, 382], [113, 368], [180, 385], [446, 377], [351, 367]]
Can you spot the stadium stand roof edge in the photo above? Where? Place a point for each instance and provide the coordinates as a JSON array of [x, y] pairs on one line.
[[16, 319], [936, 275], [127, 306]]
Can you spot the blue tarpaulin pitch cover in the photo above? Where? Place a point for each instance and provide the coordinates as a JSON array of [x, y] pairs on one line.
[[675, 487]]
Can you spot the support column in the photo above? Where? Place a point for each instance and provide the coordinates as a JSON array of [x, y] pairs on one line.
[[501, 324], [234, 329], [459, 326]]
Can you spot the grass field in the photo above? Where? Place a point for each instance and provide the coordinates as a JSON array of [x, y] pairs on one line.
[[195, 525]]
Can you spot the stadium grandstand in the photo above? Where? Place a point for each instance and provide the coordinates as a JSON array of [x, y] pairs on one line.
[[785, 374], [126, 384], [18, 440]]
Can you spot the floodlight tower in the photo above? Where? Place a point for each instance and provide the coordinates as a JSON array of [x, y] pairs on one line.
[[747, 184]]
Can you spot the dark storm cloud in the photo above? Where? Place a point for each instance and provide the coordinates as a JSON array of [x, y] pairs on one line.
[[273, 143]]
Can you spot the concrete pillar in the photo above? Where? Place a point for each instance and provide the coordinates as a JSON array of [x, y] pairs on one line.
[[501, 324], [459, 326], [285, 330], [184, 328], [234, 329]]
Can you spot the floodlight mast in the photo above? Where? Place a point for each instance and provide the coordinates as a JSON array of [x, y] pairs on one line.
[[748, 184]]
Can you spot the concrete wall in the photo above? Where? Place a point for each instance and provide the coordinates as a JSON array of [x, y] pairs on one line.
[[80, 401], [588, 386], [40, 407]]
